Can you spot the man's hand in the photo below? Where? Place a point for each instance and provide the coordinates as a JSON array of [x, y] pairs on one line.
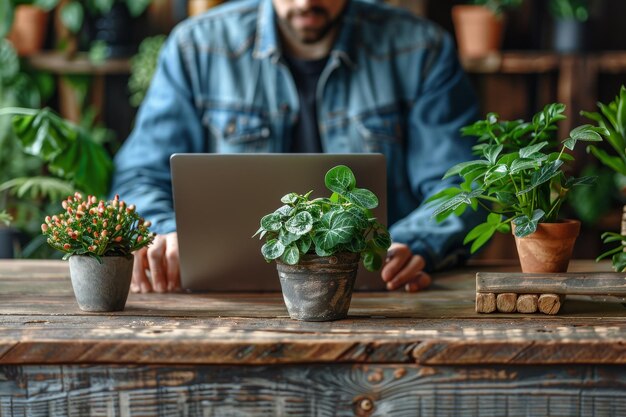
[[161, 262], [404, 268]]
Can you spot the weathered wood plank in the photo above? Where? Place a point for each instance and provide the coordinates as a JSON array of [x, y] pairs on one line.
[[606, 283], [485, 302], [506, 302], [527, 303], [320, 390]]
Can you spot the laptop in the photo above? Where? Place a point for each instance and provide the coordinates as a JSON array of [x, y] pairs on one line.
[[219, 200]]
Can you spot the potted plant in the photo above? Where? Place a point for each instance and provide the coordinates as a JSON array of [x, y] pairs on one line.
[[612, 117], [98, 238], [520, 182], [24, 23], [142, 68], [570, 18], [479, 26], [317, 244], [101, 24]]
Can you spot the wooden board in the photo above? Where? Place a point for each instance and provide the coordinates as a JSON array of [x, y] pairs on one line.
[[312, 390], [593, 283]]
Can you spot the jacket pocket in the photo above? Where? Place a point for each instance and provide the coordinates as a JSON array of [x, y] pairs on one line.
[[237, 131], [380, 131]]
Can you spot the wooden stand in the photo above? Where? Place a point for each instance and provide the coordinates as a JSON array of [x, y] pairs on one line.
[[528, 293]]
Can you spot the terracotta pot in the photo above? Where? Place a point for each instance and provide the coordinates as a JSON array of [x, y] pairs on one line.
[[319, 288], [28, 32], [478, 31], [101, 286], [549, 249]]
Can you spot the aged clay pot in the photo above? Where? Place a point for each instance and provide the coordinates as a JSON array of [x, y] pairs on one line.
[[101, 287], [28, 32], [478, 30], [549, 249], [319, 288]]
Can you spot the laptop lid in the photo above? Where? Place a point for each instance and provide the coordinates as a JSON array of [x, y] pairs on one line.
[[219, 200]]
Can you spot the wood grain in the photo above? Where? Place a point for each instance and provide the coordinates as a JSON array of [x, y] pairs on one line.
[[506, 302], [549, 303], [527, 303], [41, 324], [485, 302], [311, 390], [597, 283]]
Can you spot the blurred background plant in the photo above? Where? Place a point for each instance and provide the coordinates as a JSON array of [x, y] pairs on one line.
[[142, 67]]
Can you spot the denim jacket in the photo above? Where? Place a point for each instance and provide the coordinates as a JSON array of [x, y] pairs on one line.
[[392, 84]]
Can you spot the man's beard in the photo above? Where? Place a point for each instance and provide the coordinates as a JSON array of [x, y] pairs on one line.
[[313, 34]]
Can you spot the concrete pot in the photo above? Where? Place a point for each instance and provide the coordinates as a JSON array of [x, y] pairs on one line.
[[550, 248], [101, 287], [319, 288]]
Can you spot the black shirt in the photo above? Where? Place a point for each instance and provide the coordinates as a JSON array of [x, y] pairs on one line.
[[306, 73]]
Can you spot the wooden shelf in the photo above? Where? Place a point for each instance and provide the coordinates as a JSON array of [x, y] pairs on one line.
[[58, 63], [538, 62]]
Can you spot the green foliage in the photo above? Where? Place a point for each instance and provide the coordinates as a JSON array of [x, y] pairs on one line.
[[73, 12], [612, 118], [520, 177], [142, 67], [67, 149], [96, 228], [569, 9], [7, 11], [341, 223], [498, 6], [5, 218], [617, 254]]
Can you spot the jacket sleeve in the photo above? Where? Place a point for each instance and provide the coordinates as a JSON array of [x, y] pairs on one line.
[[444, 104], [167, 123]]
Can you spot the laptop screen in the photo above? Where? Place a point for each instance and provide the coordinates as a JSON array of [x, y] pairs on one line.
[[219, 200]]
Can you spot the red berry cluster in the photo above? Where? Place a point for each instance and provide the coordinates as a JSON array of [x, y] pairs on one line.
[[97, 228]]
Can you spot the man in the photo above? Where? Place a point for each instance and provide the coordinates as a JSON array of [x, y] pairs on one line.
[[331, 76]]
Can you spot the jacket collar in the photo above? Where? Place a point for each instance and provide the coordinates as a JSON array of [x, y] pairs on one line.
[[267, 42]]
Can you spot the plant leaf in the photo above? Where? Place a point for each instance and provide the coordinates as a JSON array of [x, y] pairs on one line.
[[588, 180], [304, 243], [457, 200], [289, 198], [525, 226], [291, 255], [372, 261], [546, 173], [529, 151], [300, 224], [458, 168], [334, 228], [382, 240], [271, 222], [362, 197], [491, 153], [619, 261], [272, 249], [72, 15], [340, 179]]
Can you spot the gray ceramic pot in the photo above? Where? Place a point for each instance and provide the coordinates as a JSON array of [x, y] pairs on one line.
[[101, 287], [319, 288]]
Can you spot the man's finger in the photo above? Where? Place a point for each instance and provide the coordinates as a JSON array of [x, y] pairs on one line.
[[139, 281], [398, 257], [421, 282], [155, 261], [172, 262], [409, 272]]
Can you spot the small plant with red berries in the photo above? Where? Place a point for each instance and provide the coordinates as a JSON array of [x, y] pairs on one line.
[[96, 228]]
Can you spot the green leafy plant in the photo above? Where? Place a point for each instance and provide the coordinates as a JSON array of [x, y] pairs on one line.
[[7, 11], [142, 67], [324, 226], [64, 157], [612, 118], [97, 228], [570, 9], [520, 177], [498, 6], [73, 12], [5, 218], [617, 254]]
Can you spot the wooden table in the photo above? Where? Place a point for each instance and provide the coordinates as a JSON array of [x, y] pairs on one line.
[[398, 354]]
